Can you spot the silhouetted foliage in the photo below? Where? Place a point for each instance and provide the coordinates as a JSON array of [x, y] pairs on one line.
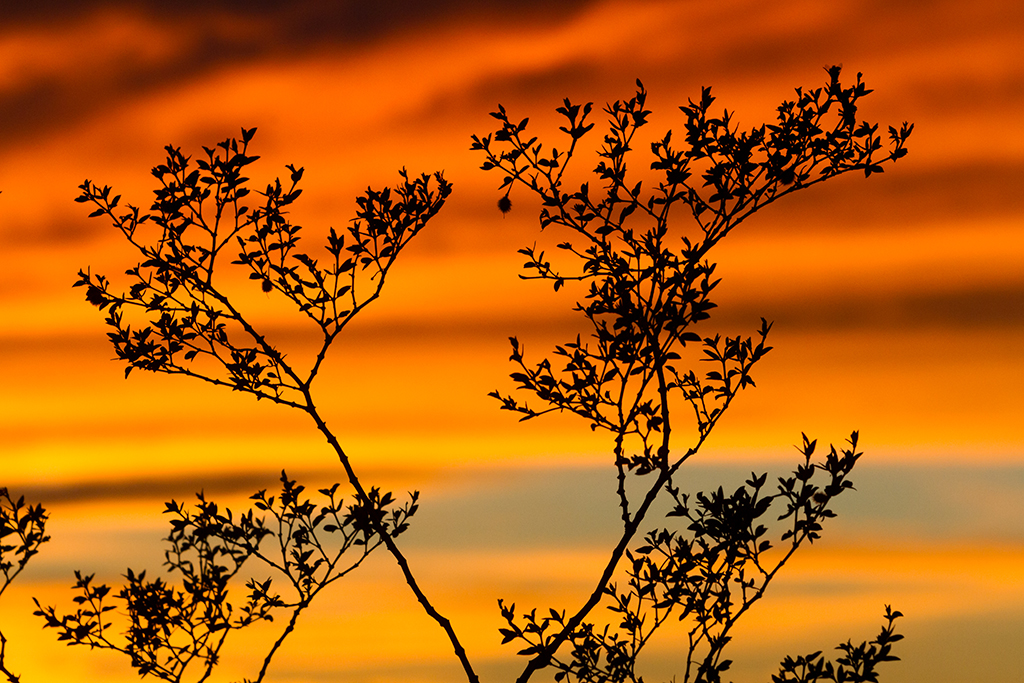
[[648, 288], [647, 285], [22, 532], [171, 629], [200, 210], [204, 213], [857, 665]]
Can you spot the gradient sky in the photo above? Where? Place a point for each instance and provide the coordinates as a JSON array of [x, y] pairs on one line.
[[898, 303]]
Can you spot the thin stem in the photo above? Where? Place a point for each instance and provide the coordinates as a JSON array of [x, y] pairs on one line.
[[544, 656], [619, 465], [277, 644], [3, 668], [392, 547]]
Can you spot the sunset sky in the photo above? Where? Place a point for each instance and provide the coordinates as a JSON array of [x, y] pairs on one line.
[[898, 304]]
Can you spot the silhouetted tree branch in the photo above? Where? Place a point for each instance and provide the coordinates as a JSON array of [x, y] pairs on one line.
[[171, 629], [857, 665], [647, 285], [189, 325], [22, 532]]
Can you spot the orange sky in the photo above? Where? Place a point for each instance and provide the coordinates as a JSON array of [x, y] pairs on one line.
[[898, 300]]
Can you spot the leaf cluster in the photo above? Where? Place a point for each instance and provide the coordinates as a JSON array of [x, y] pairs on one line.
[[174, 627], [706, 574], [204, 211], [857, 664], [648, 285], [22, 532]]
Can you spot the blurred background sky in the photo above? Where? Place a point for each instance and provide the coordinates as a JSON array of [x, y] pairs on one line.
[[898, 302]]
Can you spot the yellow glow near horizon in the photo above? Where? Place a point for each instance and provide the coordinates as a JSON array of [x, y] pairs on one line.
[[343, 630]]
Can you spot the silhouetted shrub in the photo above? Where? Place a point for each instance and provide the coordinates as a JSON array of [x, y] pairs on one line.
[[648, 284]]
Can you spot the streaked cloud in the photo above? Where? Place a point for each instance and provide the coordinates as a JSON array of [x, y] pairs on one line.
[[898, 300]]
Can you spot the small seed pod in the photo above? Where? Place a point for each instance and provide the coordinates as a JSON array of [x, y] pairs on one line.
[[267, 286], [504, 205]]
